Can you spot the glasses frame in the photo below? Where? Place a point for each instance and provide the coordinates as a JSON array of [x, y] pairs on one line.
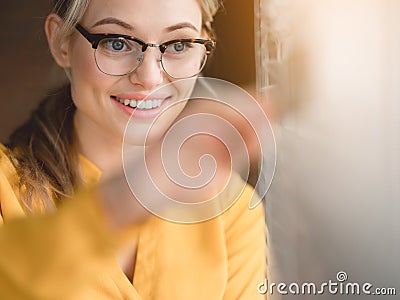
[[95, 38]]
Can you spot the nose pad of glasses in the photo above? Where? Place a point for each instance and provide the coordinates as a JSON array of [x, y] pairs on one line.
[[140, 59]]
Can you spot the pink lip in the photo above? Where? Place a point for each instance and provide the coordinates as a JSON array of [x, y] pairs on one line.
[[141, 114]]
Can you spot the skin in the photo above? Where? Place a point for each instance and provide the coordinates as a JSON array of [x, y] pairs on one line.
[[99, 123]]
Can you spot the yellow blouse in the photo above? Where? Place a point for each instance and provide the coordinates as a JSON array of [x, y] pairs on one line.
[[70, 253]]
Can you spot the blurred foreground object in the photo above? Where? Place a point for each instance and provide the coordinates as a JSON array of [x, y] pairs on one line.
[[331, 69]]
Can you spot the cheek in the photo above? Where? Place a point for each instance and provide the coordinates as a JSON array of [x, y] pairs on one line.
[[82, 62], [183, 90], [184, 87], [85, 76]]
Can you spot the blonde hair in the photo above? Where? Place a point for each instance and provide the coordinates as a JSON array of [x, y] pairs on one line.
[[42, 150], [71, 11]]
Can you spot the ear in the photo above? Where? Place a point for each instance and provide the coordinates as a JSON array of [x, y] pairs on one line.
[[59, 46]]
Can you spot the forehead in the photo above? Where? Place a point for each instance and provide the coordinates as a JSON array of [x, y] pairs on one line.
[[145, 15]]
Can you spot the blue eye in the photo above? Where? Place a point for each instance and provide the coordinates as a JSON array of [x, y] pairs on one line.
[[115, 45], [179, 47]]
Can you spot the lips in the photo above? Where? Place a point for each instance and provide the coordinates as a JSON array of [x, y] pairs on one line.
[[141, 106], [140, 101]]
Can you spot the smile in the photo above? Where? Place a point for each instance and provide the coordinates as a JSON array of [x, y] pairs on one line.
[[141, 104]]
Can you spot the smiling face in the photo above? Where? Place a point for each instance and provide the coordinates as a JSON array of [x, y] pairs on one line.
[[105, 103]]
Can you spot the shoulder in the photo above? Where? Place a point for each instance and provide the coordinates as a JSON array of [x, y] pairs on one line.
[[7, 169], [240, 214], [245, 235], [10, 206]]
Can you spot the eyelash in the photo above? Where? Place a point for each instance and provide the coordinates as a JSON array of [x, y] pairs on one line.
[[108, 45]]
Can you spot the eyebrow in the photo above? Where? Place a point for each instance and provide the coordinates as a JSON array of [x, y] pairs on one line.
[[130, 27], [181, 26], [113, 21]]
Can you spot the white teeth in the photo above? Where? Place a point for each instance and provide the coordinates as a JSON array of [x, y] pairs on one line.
[[133, 103], [140, 104], [149, 104], [156, 103]]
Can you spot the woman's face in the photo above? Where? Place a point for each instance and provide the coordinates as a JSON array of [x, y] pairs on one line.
[[98, 96]]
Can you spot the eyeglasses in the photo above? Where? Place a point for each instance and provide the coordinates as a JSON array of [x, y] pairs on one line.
[[120, 55]]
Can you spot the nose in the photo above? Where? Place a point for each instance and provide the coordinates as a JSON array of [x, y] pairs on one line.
[[149, 74]]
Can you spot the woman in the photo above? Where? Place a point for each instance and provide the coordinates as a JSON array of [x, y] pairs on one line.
[[64, 236]]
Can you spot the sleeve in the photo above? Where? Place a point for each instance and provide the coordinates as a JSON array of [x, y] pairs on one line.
[[245, 233], [54, 255]]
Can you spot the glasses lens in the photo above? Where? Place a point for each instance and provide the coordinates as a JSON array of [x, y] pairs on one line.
[[118, 56], [184, 59]]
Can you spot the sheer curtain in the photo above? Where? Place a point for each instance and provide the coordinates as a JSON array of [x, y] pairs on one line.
[[331, 72]]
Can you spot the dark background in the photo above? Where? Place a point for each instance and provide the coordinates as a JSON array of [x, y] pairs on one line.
[[28, 71]]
